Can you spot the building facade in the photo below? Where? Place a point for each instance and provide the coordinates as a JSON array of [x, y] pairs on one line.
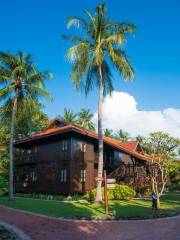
[[63, 159]]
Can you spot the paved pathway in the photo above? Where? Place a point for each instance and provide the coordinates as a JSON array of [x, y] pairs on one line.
[[44, 228]]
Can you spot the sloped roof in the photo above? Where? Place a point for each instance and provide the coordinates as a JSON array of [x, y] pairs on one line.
[[127, 147], [131, 145]]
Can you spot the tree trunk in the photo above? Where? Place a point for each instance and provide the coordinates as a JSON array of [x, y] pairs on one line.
[[100, 140], [158, 202], [11, 170]]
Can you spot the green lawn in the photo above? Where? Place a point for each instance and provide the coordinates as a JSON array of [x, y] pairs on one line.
[[170, 204]]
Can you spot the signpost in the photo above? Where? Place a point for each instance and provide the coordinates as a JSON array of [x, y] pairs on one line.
[[108, 183], [105, 194]]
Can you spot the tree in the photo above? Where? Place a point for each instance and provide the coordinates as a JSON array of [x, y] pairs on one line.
[[99, 45], [69, 116], [19, 79], [163, 149], [84, 119], [108, 132], [122, 136], [29, 119]]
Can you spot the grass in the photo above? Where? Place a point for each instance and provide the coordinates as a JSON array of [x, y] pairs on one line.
[[134, 209]]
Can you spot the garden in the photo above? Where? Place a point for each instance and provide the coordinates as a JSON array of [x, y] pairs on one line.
[[122, 205]]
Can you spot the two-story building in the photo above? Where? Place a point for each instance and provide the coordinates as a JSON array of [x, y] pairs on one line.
[[63, 159]]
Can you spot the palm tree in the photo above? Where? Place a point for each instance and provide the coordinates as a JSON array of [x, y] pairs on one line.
[[19, 80], [99, 45], [122, 135], [85, 119], [69, 116], [108, 132]]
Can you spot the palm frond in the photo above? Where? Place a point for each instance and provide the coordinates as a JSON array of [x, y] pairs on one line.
[[121, 27], [5, 75], [36, 91], [121, 62], [6, 92], [92, 20], [107, 78], [74, 39], [8, 60]]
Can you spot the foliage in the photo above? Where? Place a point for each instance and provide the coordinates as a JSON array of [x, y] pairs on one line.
[[98, 46], [69, 116], [100, 42], [74, 197], [84, 119], [133, 209], [120, 192], [163, 150], [108, 132], [123, 192], [28, 120], [3, 185], [122, 135], [162, 144], [19, 80]]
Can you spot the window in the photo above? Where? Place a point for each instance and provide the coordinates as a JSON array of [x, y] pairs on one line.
[[118, 158], [63, 175], [83, 147], [83, 175], [29, 151], [33, 176], [64, 145], [35, 149]]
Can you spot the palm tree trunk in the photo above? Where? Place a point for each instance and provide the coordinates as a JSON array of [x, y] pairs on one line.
[[11, 170], [100, 140]]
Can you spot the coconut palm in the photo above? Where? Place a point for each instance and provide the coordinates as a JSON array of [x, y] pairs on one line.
[[84, 119], [98, 46], [19, 80], [108, 132], [122, 135], [69, 116]]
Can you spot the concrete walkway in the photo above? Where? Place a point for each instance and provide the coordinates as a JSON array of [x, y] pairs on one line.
[[44, 228]]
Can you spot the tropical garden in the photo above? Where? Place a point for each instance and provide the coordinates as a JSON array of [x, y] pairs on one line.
[[94, 51]]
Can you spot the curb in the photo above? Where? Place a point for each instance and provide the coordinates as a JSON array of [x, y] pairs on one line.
[[14, 230]]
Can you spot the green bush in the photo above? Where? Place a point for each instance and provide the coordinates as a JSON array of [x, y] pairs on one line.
[[3, 186], [123, 192], [74, 197], [175, 186], [143, 191], [120, 192]]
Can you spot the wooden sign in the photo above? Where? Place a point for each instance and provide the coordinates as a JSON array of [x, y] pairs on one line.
[[111, 182]]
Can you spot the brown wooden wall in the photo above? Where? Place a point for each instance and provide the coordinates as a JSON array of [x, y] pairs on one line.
[[48, 158]]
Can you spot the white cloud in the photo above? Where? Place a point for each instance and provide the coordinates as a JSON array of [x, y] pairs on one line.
[[120, 111]]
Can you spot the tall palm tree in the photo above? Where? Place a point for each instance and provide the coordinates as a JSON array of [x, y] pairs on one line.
[[84, 119], [19, 80], [69, 116], [99, 45], [122, 135]]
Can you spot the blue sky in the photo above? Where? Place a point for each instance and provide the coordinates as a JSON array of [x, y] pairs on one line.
[[36, 27]]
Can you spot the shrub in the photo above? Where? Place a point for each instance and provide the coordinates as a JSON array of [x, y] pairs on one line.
[[3, 186], [120, 192], [175, 186], [123, 192], [143, 191]]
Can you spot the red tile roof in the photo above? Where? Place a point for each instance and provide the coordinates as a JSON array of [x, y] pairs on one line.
[[132, 145], [127, 147]]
